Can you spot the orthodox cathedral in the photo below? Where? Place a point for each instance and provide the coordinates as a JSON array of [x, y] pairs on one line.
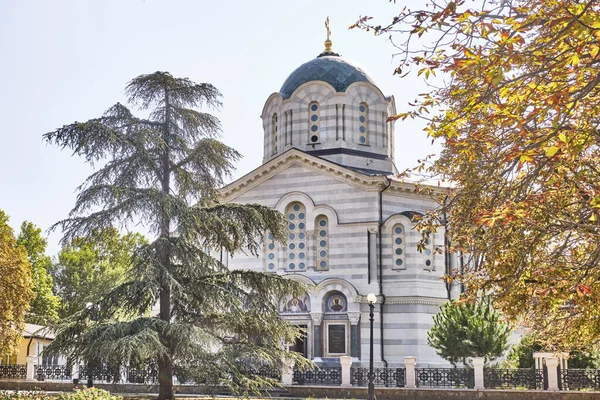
[[328, 166]]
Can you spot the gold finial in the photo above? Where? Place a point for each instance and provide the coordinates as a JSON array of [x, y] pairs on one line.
[[328, 41]]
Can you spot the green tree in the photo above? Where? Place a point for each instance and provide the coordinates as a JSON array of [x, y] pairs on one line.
[[462, 330], [521, 355], [44, 305], [91, 266], [15, 288], [514, 102], [163, 171]]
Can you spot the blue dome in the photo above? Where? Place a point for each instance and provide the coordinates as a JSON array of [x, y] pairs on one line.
[[336, 71]]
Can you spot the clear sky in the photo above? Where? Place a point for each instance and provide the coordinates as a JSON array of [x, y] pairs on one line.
[[64, 61]]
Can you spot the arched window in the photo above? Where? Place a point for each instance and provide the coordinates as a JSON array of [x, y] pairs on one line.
[[271, 254], [398, 247], [363, 125], [322, 233], [274, 133], [296, 250], [428, 254], [314, 123]]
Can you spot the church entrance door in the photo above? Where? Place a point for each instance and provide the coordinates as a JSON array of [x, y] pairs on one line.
[[300, 345]]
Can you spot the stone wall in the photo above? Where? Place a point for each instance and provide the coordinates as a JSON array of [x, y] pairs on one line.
[[324, 392], [435, 394]]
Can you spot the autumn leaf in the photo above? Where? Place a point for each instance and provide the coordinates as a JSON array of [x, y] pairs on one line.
[[551, 151]]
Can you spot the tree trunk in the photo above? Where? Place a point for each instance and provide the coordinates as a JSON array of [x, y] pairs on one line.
[[165, 364], [165, 379]]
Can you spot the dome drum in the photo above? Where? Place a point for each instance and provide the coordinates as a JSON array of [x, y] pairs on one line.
[[331, 103]]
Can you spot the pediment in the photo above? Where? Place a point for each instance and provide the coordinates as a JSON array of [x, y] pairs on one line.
[[297, 157]]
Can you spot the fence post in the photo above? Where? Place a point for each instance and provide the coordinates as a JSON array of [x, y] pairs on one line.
[[346, 362], [552, 366], [124, 373], [411, 376], [287, 372], [31, 362], [75, 372], [478, 372]]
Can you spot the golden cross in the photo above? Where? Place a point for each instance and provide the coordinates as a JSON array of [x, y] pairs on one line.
[[327, 27]]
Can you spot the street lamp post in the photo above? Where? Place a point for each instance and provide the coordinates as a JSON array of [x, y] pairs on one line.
[[372, 299]]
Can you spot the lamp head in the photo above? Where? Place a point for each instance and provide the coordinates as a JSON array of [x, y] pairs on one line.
[[371, 298]]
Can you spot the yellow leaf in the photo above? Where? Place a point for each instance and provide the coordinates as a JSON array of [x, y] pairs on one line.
[[525, 158], [593, 218], [562, 137], [575, 59], [550, 151]]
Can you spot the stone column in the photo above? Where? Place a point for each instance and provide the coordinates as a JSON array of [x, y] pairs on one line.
[[346, 362], [478, 371], [354, 318], [309, 341], [281, 258], [31, 361], [552, 366], [317, 339], [311, 262], [411, 373], [373, 256]]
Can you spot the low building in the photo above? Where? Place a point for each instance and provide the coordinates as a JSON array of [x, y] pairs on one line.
[[35, 339]]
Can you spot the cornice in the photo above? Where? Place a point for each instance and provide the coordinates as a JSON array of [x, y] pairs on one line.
[[428, 301], [406, 187]]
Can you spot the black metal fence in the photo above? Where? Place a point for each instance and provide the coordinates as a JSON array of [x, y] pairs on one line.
[[579, 379], [445, 377], [319, 376], [144, 374], [513, 378], [102, 373], [265, 372], [52, 372], [384, 377], [494, 378], [13, 371]]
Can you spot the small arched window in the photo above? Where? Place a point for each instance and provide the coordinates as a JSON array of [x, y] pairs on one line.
[[322, 234], [274, 133], [428, 253], [272, 264], [363, 123], [296, 250], [398, 247], [314, 123]]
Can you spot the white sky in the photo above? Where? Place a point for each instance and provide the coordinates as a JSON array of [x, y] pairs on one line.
[[63, 61]]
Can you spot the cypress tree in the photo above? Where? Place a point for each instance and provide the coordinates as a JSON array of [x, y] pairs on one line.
[[163, 171]]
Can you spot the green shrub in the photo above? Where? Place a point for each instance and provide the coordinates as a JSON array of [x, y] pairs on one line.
[[88, 394], [25, 395], [78, 394]]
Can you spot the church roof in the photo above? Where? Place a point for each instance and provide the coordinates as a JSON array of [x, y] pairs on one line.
[[328, 67]]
